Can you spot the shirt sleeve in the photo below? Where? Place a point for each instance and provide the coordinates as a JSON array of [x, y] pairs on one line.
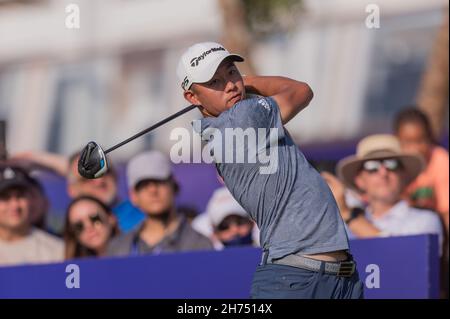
[[262, 115], [257, 112]]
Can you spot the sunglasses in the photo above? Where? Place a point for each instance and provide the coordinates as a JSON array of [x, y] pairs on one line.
[[228, 222], [374, 166], [94, 219]]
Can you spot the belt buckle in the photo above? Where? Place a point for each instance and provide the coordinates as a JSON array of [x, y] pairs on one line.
[[346, 269]]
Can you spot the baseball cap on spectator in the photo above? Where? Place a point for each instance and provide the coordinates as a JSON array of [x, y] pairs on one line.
[[200, 61], [148, 165], [223, 204], [11, 177]]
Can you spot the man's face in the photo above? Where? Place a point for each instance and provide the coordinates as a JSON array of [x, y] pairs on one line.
[[103, 188], [219, 94], [384, 184], [14, 209], [153, 197]]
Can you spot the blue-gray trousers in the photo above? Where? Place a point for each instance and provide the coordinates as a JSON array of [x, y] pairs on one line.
[[274, 281]]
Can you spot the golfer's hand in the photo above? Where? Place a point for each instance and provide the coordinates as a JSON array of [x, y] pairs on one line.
[[338, 189]]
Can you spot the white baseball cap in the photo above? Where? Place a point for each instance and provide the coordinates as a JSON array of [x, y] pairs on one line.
[[199, 63], [223, 204], [148, 165]]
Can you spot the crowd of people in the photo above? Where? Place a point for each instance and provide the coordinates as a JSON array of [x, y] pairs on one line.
[[394, 185], [98, 223]]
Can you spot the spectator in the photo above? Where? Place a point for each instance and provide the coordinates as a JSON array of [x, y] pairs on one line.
[[380, 172], [105, 189], [226, 222], [39, 202], [153, 189], [20, 242], [430, 189], [90, 224]]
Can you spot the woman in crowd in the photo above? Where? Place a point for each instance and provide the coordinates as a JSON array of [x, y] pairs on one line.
[[430, 189], [90, 224]]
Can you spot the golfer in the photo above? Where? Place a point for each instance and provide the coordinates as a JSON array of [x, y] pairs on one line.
[[305, 246]]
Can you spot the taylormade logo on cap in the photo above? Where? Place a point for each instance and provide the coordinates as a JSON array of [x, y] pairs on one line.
[[199, 63], [194, 61]]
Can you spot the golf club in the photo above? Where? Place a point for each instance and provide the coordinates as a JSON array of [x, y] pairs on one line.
[[93, 162]]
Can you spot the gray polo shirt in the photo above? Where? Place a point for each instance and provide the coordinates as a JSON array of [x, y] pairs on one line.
[[289, 200], [184, 238]]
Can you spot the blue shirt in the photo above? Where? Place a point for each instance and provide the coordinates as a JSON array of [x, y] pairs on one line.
[[129, 217], [289, 200]]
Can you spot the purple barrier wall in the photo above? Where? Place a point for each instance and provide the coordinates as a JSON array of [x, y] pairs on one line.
[[400, 267]]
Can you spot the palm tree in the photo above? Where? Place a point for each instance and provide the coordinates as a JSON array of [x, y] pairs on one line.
[[432, 95], [246, 20], [237, 37]]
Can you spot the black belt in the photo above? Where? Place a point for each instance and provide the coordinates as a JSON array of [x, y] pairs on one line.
[[340, 269]]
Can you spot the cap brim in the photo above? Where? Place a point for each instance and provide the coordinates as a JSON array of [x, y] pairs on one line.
[[349, 167], [210, 70], [8, 184], [151, 178]]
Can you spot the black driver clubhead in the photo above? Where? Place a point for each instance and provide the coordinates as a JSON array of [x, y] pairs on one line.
[[92, 163]]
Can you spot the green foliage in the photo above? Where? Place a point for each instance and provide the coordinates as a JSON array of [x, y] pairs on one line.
[[265, 17]]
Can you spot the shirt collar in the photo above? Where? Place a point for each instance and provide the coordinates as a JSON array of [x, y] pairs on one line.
[[170, 238], [400, 209]]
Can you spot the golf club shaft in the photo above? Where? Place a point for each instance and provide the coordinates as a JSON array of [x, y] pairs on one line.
[[151, 128]]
